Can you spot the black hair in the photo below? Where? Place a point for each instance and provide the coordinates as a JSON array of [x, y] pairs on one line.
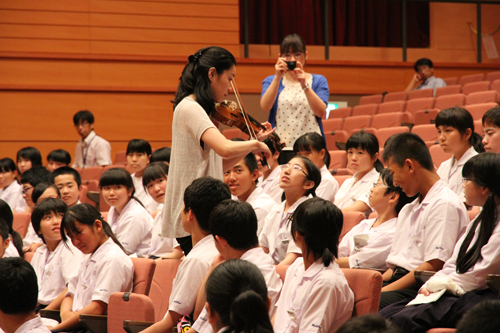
[[202, 195], [139, 146], [66, 170], [7, 165], [274, 143], [492, 116], [195, 80], [293, 42], [484, 170], [408, 146], [154, 171], [59, 155], [365, 141], [4, 230], [83, 116], [117, 176], [236, 222], [237, 292], [19, 291], [85, 214], [161, 155], [460, 119], [423, 62], [320, 223], [370, 323], [312, 174], [7, 216], [35, 176], [312, 141], [45, 207], [41, 188], [403, 198], [482, 317], [32, 154]]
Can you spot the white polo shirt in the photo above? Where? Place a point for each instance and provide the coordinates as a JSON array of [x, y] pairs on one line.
[[262, 204], [13, 195], [93, 151], [314, 300], [450, 172], [429, 229], [34, 325], [141, 194], [374, 254], [328, 187], [160, 246], [271, 185], [352, 190], [31, 236]]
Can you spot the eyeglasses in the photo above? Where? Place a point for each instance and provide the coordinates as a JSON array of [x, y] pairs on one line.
[[25, 190], [294, 167], [379, 185]]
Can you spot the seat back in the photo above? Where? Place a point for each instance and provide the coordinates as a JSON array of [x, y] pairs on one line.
[[425, 117], [120, 157], [476, 86], [492, 76], [161, 287], [28, 256], [332, 137], [451, 81], [478, 127], [90, 173], [426, 132], [351, 219], [477, 110], [385, 120], [438, 155], [233, 133], [377, 99], [490, 96], [384, 133], [471, 78], [338, 159], [447, 101], [21, 223], [420, 104], [332, 124], [366, 285], [420, 93], [353, 124], [143, 274], [396, 106], [448, 90], [340, 113], [396, 96], [365, 109], [496, 86]]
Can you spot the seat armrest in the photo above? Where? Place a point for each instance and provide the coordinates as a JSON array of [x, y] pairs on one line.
[[133, 326], [493, 282], [52, 314], [422, 276], [94, 323], [340, 145]]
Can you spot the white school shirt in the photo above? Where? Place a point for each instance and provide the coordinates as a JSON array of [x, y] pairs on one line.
[[328, 187], [190, 276], [141, 194], [271, 185], [374, 254], [160, 246], [475, 278], [93, 151], [13, 195], [11, 250], [352, 191], [31, 236], [132, 227], [102, 273], [429, 229], [316, 300], [34, 325], [262, 204], [55, 269], [259, 258], [450, 172], [276, 234]]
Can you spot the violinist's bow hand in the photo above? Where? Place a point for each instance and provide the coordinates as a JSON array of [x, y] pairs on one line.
[[263, 134]]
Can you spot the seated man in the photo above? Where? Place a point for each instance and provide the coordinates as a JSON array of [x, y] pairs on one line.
[[69, 183], [425, 75]]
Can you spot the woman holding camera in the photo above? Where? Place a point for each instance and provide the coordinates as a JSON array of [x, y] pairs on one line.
[[296, 100]]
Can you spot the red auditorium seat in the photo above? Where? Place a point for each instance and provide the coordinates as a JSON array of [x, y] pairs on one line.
[[490, 96], [478, 127], [420, 93], [477, 110], [425, 117], [471, 78], [377, 99], [387, 120], [120, 157], [354, 124], [396, 96], [364, 110], [330, 125], [419, 104], [396, 106], [448, 90], [338, 159], [475, 87], [492, 76], [447, 101], [340, 113], [451, 81], [428, 133], [384, 133], [438, 155], [234, 133], [496, 86]]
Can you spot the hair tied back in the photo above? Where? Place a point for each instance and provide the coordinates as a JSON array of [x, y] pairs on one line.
[[194, 57]]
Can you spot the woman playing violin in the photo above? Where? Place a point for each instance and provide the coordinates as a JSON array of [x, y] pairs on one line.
[[198, 147]]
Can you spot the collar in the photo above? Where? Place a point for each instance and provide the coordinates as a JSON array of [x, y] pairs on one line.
[[254, 195], [295, 205], [102, 250], [432, 78], [272, 175], [31, 324], [373, 173], [313, 270], [466, 156], [89, 137], [202, 243], [323, 169], [251, 252]]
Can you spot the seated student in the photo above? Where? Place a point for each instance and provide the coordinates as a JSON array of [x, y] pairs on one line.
[[18, 297], [299, 179], [424, 69], [242, 181], [91, 149], [4, 239], [69, 183], [105, 269], [129, 220], [476, 254], [10, 190], [362, 158], [15, 242], [483, 317], [27, 158], [315, 296], [234, 227], [270, 179], [368, 244], [155, 182], [370, 323], [138, 154], [29, 180], [491, 130], [235, 287], [200, 198], [58, 158], [313, 146], [427, 228], [55, 262], [161, 155]]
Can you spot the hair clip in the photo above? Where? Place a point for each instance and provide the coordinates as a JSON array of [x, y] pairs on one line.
[[194, 57]]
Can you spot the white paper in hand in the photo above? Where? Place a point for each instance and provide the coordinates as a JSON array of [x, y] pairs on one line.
[[422, 299]]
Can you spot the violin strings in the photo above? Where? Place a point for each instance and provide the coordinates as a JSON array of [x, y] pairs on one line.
[[237, 94]]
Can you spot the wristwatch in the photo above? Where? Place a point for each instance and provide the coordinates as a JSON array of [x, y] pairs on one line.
[[306, 87]]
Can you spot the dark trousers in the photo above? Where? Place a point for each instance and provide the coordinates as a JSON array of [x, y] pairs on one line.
[[390, 297], [186, 244]]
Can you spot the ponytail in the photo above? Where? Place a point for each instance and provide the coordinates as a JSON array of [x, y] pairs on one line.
[[476, 141], [249, 314], [327, 257]]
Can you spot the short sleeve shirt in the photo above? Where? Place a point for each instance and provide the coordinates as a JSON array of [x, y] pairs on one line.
[[450, 172], [93, 151], [352, 190]]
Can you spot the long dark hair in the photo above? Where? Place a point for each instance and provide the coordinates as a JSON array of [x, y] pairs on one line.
[[484, 170], [461, 119], [237, 292], [8, 217], [312, 141], [195, 80]]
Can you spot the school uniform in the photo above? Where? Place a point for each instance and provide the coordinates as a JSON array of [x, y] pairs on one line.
[[373, 254], [259, 258], [11, 250], [276, 234], [132, 227], [102, 273], [190, 276], [160, 246], [55, 269], [13, 195], [93, 151], [353, 190], [31, 236], [328, 187], [34, 325], [314, 300], [141, 194], [262, 204], [271, 185], [450, 172]]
